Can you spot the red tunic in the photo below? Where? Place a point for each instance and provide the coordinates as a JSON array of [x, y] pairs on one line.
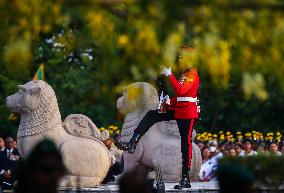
[[187, 86]]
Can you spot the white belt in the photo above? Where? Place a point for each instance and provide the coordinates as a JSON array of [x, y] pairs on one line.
[[187, 99]]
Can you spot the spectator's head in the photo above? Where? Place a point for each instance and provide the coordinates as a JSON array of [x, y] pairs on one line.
[[261, 149], [116, 137], [184, 61], [232, 151], [200, 144], [2, 143], [238, 148], [15, 143], [205, 153], [273, 147], [248, 145], [42, 169], [235, 179], [282, 149], [134, 181], [108, 142], [9, 142], [222, 147], [226, 152], [213, 147]]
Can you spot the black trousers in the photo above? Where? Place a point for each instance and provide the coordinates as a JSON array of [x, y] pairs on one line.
[[185, 129]]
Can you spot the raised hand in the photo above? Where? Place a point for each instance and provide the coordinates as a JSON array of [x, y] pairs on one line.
[[166, 71]]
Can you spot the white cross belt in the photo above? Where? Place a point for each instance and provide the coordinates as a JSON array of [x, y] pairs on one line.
[[187, 99]]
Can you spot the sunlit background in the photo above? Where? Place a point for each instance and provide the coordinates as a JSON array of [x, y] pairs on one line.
[[91, 49]]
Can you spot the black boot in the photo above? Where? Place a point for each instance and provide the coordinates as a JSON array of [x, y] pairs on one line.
[[129, 146], [185, 182]]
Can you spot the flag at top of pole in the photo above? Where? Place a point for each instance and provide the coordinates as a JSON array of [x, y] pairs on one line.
[[39, 75]]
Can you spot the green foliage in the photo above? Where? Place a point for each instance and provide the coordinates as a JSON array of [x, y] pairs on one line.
[[239, 54], [266, 169]]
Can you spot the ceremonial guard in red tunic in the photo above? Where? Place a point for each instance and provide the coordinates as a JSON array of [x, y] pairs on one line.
[[183, 108]]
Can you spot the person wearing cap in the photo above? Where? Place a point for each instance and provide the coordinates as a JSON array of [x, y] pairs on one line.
[[182, 108]]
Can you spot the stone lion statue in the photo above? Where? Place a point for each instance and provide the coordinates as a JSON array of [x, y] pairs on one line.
[[78, 139], [161, 144]]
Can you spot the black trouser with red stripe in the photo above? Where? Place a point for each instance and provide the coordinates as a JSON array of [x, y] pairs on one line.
[[185, 129]]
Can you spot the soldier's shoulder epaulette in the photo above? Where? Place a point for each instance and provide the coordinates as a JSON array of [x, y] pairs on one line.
[[190, 77]]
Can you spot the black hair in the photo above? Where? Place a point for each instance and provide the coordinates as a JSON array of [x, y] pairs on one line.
[[205, 147], [239, 145], [273, 142], [221, 143], [134, 181], [30, 165], [230, 147], [248, 140]]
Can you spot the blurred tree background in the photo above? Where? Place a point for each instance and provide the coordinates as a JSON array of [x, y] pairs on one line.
[[92, 49]]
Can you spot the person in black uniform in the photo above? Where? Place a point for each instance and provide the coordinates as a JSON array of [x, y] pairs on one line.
[[9, 164]]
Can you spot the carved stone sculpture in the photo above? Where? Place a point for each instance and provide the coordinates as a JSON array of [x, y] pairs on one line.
[[161, 144], [78, 139]]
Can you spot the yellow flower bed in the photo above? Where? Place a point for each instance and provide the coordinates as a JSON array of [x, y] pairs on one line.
[[221, 135], [239, 136]]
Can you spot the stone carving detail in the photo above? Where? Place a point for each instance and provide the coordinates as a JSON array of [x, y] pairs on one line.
[[78, 138], [80, 125], [82, 122], [161, 144], [104, 135]]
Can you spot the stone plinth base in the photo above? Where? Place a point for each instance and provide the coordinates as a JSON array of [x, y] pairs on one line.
[[197, 187]]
